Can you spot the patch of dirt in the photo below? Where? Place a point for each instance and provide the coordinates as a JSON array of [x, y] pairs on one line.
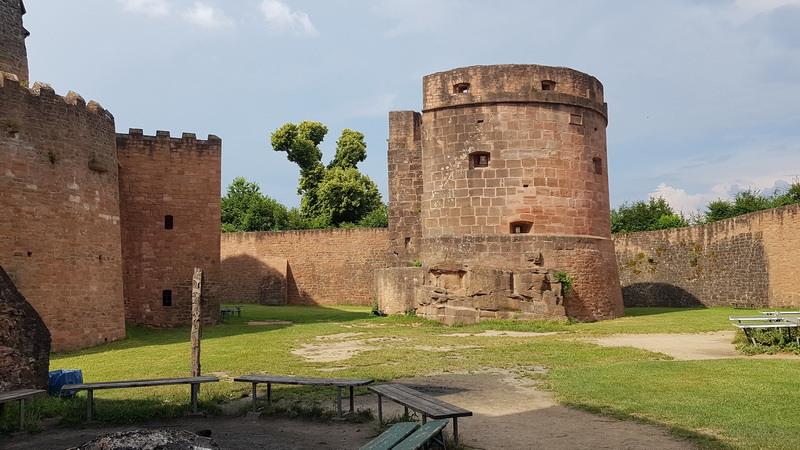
[[269, 322], [338, 351], [684, 347], [495, 333]]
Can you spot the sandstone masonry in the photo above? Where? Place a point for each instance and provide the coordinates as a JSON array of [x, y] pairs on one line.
[[749, 260], [504, 172], [83, 232]]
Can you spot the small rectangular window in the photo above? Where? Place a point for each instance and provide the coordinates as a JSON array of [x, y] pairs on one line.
[[479, 159], [168, 222], [461, 88], [598, 165], [166, 298], [576, 119]]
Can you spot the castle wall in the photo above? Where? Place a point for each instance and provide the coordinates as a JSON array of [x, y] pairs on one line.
[[745, 260], [13, 54], [320, 267], [60, 227], [170, 224]]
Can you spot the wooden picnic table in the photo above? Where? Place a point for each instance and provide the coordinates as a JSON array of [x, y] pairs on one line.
[[426, 405], [306, 381]]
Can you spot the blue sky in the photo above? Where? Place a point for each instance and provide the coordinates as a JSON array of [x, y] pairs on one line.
[[703, 95]]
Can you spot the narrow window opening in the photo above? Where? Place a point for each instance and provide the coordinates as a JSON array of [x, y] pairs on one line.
[[166, 297], [548, 85], [479, 159], [521, 227], [576, 119], [168, 222], [407, 242], [461, 88], [598, 165]]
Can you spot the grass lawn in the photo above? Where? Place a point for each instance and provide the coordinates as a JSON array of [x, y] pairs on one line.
[[735, 403]]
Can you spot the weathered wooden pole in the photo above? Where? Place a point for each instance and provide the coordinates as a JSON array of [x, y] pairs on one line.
[[197, 323]]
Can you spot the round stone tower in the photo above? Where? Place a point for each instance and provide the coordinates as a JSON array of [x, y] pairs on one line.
[[511, 163], [13, 55], [514, 149]]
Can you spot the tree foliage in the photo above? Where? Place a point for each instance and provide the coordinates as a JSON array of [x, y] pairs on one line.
[[656, 214], [244, 208], [750, 200], [338, 193]]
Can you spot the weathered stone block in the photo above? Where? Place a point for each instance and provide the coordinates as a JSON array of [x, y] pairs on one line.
[[24, 341], [395, 288]]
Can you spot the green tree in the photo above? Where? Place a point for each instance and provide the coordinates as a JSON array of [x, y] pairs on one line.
[[331, 195], [377, 218], [749, 201], [244, 208], [656, 214]]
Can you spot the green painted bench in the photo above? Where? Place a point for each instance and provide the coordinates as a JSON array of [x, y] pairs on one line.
[[409, 436]]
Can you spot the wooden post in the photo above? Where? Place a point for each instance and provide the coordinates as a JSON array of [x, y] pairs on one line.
[[197, 324]]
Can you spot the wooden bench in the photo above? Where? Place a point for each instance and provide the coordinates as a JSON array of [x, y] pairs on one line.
[[229, 311], [776, 321], [20, 396], [408, 436], [91, 387], [426, 405], [305, 381]]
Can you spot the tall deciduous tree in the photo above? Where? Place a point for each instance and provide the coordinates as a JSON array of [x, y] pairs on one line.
[[335, 194]]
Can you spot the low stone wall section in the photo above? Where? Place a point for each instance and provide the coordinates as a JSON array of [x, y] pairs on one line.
[[746, 260], [302, 267]]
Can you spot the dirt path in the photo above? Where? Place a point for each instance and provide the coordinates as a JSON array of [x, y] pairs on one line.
[[509, 413]]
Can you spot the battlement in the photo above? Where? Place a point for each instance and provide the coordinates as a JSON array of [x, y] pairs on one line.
[[11, 86], [512, 83], [136, 139]]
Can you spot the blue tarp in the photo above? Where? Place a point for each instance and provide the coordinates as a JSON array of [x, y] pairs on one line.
[[61, 377]]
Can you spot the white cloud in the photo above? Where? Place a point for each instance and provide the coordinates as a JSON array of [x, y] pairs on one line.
[[153, 8], [281, 17], [745, 10], [207, 16]]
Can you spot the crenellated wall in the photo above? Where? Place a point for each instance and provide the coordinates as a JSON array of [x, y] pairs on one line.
[[304, 267], [746, 260], [60, 227], [170, 224]]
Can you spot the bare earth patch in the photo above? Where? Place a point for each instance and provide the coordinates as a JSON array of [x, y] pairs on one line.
[[683, 347], [269, 322], [495, 333], [340, 350]]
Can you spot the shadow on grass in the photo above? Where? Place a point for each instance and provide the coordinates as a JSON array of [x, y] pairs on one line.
[[141, 336], [71, 411], [638, 311]]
